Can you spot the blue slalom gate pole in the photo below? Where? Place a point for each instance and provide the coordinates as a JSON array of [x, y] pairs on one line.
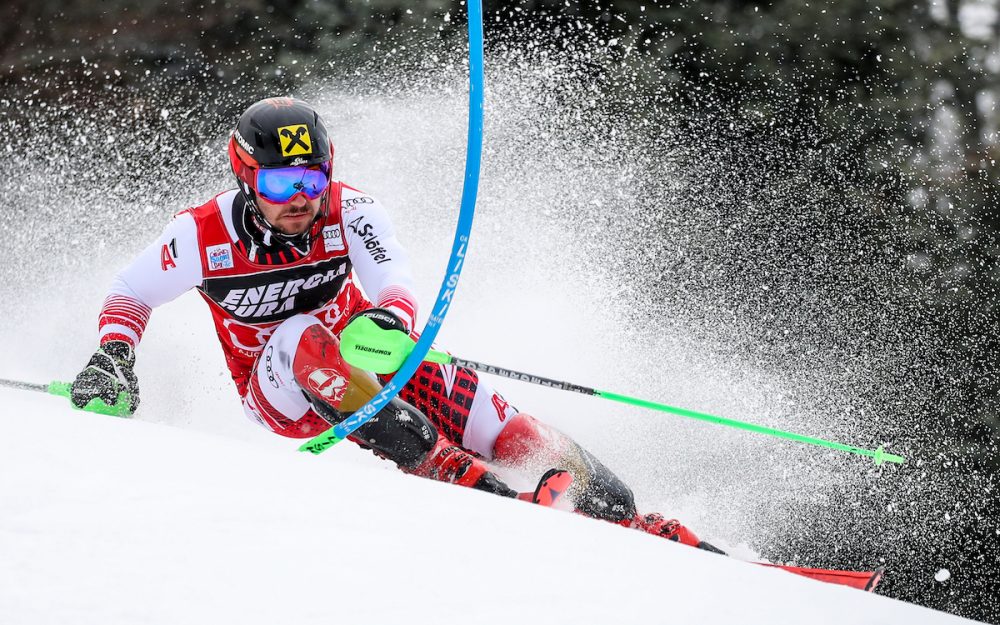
[[470, 188]]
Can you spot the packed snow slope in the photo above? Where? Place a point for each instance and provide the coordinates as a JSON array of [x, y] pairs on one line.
[[116, 521]]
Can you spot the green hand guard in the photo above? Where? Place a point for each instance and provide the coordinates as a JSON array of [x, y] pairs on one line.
[[367, 346], [118, 409]]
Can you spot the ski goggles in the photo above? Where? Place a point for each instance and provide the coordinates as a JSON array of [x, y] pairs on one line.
[[279, 185]]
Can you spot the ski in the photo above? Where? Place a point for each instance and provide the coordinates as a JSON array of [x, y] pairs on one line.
[[863, 580], [550, 489]]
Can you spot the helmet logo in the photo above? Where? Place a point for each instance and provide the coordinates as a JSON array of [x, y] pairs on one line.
[[243, 142], [295, 140]]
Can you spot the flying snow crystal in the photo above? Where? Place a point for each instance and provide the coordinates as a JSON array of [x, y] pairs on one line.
[[943, 575]]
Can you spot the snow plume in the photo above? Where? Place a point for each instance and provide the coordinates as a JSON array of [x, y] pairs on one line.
[[698, 256], [625, 239], [91, 176]]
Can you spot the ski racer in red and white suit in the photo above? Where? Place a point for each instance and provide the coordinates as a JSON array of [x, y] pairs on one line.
[[209, 248], [278, 304]]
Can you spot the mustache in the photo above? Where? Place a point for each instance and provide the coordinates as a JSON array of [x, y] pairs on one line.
[[292, 212]]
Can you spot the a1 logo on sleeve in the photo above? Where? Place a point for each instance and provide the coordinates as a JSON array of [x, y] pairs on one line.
[[333, 239], [219, 257], [168, 254]]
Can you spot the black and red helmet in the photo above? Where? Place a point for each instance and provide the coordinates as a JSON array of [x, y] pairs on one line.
[[277, 132]]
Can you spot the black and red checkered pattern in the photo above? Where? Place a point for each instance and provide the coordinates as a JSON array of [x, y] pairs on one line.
[[427, 391]]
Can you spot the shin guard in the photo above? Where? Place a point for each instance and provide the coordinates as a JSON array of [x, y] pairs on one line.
[[398, 432], [596, 492], [325, 376]]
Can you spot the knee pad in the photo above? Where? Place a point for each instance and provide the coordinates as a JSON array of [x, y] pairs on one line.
[[318, 367], [602, 494]]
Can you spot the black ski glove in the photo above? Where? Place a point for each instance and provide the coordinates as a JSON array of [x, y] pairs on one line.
[[383, 318], [108, 373]]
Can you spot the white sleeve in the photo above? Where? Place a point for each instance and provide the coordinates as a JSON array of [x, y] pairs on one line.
[[379, 259], [168, 267]]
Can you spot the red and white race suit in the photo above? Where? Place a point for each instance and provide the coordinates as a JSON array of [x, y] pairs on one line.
[[252, 290]]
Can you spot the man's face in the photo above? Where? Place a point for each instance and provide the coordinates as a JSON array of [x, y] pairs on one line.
[[293, 217]]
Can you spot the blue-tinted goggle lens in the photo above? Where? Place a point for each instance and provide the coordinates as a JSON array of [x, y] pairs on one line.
[[282, 184]]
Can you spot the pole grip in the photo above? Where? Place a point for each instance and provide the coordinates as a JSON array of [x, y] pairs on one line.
[[121, 407], [438, 358]]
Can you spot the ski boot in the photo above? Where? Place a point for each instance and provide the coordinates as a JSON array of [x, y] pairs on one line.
[[447, 462], [671, 529], [597, 492]]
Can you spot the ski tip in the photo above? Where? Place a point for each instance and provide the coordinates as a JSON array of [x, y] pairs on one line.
[[874, 579]]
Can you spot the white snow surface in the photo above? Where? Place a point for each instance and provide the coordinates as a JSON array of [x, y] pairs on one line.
[[113, 521]]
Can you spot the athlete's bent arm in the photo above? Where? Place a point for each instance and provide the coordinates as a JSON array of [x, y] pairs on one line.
[[167, 268], [379, 259]]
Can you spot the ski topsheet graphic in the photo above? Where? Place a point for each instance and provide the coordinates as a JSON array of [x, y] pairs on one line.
[[550, 489], [864, 580]]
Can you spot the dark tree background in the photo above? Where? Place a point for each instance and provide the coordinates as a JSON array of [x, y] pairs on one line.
[[905, 92]]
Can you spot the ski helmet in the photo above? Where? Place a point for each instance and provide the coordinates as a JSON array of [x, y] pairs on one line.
[[278, 133]]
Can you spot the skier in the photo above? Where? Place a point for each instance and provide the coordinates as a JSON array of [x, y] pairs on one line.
[[276, 261]]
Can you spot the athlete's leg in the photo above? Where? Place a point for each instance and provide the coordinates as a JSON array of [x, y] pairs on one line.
[[301, 386], [449, 396], [470, 411], [273, 397], [473, 412], [598, 493]]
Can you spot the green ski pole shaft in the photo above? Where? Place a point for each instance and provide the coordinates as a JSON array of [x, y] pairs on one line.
[[367, 346], [879, 454]]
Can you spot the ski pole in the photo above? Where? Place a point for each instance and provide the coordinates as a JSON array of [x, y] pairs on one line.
[[367, 346], [64, 389]]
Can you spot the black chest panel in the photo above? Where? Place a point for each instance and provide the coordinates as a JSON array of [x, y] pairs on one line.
[[276, 294]]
